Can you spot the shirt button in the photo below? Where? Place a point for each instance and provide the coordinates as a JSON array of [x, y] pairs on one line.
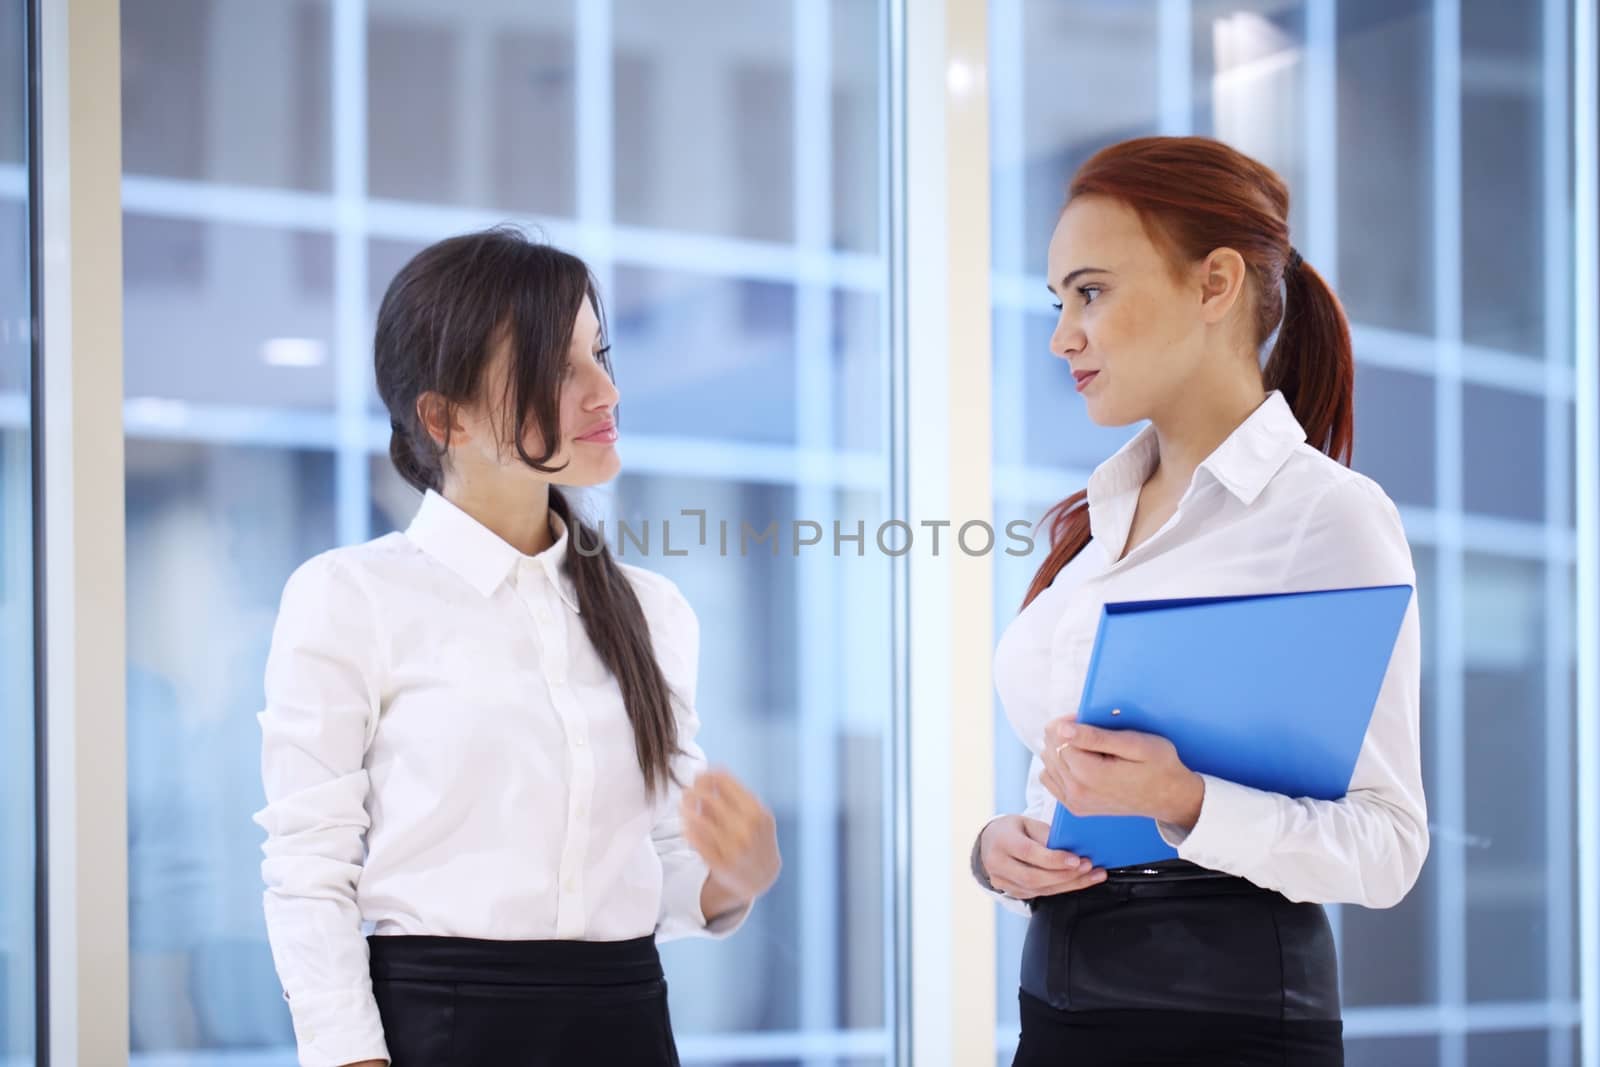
[[571, 886], [579, 741]]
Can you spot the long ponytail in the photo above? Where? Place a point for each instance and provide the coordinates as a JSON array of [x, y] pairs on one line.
[[1200, 195], [614, 620], [1313, 363]]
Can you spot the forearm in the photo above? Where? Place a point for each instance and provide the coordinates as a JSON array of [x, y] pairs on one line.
[[1365, 849], [1181, 808], [717, 900]]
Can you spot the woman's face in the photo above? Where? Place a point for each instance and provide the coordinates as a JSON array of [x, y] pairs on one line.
[[1124, 318], [587, 404]]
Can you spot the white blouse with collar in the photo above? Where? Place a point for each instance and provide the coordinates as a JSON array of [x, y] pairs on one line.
[[444, 753], [1264, 513]]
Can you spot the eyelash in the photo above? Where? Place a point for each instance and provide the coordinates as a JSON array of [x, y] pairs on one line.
[[1084, 290], [600, 353]]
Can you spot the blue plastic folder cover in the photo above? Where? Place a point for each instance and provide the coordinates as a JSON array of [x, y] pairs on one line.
[[1271, 691]]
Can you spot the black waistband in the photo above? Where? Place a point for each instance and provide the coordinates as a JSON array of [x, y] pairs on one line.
[[1166, 878], [408, 957], [1210, 945]]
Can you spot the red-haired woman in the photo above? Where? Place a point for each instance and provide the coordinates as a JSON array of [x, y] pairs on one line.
[[1172, 266]]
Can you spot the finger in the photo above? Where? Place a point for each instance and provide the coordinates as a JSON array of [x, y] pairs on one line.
[[725, 784], [703, 843], [1015, 874], [1051, 779], [709, 782], [1022, 872], [724, 811], [1073, 883], [1087, 768], [1043, 856], [704, 785], [1051, 755], [1011, 890], [731, 793], [695, 825], [1124, 744], [1053, 881], [1056, 731], [1045, 882], [1035, 851], [1069, 795]]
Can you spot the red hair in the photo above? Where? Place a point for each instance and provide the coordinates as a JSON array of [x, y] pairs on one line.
[[1196, 195]]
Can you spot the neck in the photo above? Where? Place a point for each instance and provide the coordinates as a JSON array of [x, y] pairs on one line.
[[517, 511], [1193, 426]]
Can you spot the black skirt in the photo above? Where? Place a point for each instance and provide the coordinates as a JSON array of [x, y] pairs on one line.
[[461, 1002], [1185, 967]]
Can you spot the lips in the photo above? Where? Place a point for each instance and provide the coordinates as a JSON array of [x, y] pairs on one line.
[[601, 434], [1083, 378]]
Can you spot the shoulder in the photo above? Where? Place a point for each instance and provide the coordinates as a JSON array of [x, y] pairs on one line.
[[1344, 518], [336, 576], [1324, 484], [665, 607]]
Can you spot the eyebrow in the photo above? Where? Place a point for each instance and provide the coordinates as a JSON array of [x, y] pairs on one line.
[[1081, 270]]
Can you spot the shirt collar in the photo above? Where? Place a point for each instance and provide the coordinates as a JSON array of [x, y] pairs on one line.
[[1243, 464], [479, 555]]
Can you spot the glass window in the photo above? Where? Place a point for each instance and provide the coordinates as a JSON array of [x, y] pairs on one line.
[[228, 91], [1503, 448], [1394, 432], [1491, 920], [1386, 267], [1503, 252], [721, 169], [17, 812]]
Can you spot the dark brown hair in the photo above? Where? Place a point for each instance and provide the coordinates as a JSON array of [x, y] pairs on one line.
[[439, 321], [1196, 195]]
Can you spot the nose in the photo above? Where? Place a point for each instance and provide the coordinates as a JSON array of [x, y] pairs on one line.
[[603, 393], [1067, 339]]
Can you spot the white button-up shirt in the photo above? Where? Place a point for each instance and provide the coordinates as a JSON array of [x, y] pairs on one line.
[[444, 753], [1265, 513]]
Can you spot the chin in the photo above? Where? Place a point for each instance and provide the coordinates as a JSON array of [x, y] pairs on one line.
[[1102, 413], [1099, 413], [591, 474]]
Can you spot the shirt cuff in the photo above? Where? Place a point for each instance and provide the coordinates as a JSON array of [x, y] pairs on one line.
[[682, 883], [1235, 831], [333, 1029]]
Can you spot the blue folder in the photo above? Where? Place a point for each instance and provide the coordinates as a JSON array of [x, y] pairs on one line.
[[1271, 691]]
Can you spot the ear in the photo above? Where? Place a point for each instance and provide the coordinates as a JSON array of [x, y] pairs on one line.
[[435, 415], [1222, 281]]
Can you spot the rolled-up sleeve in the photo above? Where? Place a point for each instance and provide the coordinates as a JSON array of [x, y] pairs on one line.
[[1368, 847], [322, 699], [676, 631]]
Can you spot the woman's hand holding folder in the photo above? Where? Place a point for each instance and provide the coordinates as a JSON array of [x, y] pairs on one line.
[[1093, 771], [1018, 863]]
